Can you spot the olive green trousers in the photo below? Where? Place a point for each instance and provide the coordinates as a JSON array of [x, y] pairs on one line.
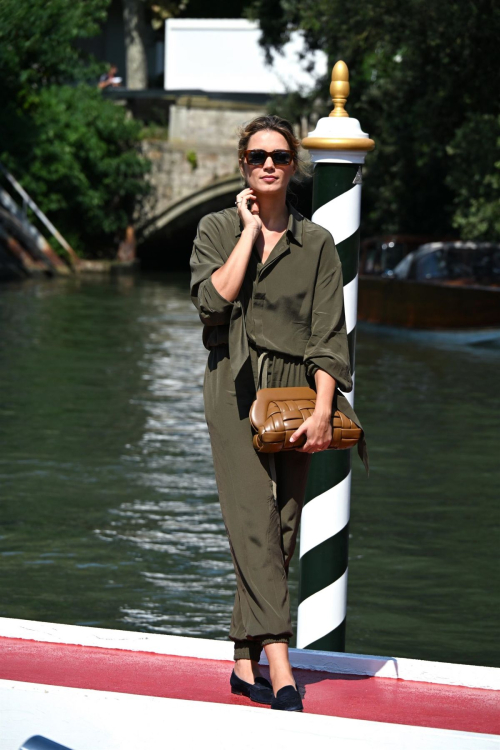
[[261, 503]]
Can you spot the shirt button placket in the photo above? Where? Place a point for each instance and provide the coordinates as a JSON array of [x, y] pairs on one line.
[[259, 296]]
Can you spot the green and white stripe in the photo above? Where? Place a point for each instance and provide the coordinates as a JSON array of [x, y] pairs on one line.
[[339, 186], [325, 516]]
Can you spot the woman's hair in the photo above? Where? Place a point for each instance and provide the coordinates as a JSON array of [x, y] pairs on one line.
[[280, 125]]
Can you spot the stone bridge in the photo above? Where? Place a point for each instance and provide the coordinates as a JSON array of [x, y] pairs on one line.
[[193, 173]]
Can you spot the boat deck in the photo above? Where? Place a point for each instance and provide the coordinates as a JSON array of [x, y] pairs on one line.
[[350, 696], [118, 690]]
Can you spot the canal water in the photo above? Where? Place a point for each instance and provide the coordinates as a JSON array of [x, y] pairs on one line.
[[109, 513]]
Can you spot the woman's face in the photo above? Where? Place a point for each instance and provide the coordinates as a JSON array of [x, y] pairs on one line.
[[268, 178]]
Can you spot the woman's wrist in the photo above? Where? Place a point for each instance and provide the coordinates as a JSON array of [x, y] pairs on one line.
[[251, 230], [323, 412], [325, 390]]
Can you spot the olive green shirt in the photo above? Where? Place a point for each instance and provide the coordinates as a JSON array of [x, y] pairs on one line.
[[291, 304]]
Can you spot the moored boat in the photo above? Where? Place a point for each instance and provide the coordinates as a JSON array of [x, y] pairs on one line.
[[440, 285]]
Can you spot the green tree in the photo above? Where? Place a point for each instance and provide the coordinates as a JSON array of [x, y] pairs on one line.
[[419, 72], [37, 41], [474, 177], [75, 152]]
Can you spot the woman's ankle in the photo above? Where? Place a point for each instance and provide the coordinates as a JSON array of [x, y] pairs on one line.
[[280, 669], [281, 675], [246, 670]]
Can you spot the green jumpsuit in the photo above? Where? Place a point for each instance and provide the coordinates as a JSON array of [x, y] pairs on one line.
[[287, 322]]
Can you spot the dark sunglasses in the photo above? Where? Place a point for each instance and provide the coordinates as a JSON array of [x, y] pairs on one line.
[[257, 157]]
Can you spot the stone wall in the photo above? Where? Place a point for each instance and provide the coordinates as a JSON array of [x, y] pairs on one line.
[[181, 169], [201, 149], [213, 125]]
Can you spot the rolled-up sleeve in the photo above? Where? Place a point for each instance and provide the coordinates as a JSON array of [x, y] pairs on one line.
[[213, 309], [327, 347]]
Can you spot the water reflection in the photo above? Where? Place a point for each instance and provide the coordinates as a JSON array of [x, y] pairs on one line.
[[180, 530]]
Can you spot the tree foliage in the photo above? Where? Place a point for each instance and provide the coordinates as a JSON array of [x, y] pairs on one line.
[[474, 177], [423, 77], [37, 41], [75, 152]]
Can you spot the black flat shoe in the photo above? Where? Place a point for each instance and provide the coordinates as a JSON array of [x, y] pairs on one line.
[[260, 692], [287, 699]]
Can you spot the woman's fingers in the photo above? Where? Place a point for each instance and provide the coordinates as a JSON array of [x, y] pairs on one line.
[[309, 448], [306, 448], [313, 444], [245, 195], [249, 215], [298, 432], [242, 200]]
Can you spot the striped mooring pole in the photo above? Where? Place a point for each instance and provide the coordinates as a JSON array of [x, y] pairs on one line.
[[338, 148]]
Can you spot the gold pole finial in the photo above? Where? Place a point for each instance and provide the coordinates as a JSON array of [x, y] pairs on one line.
[[339, 89]]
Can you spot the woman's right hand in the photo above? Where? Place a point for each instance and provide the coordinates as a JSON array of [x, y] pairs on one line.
[[249, 216]]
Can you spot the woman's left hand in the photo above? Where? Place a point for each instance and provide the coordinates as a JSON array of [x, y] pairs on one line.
[[318, 431]]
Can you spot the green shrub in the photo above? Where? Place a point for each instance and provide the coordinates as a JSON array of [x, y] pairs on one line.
[[192, 158], [75, 152], [82, 167]]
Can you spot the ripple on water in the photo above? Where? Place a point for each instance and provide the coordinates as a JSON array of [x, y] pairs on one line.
[[109, 508]]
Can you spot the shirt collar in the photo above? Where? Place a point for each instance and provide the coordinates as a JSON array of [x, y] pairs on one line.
[[295, 224]]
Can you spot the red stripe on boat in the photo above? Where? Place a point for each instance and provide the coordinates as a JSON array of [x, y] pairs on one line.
[[350, 696]]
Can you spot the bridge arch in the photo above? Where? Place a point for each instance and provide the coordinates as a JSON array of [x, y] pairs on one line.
[[165, 241]]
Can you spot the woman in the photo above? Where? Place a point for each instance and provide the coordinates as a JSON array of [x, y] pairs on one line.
[[267, 284]]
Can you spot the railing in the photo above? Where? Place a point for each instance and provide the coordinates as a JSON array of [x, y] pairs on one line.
[[28, 201]]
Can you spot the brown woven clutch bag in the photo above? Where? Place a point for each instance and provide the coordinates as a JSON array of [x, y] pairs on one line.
[[277, 412]]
